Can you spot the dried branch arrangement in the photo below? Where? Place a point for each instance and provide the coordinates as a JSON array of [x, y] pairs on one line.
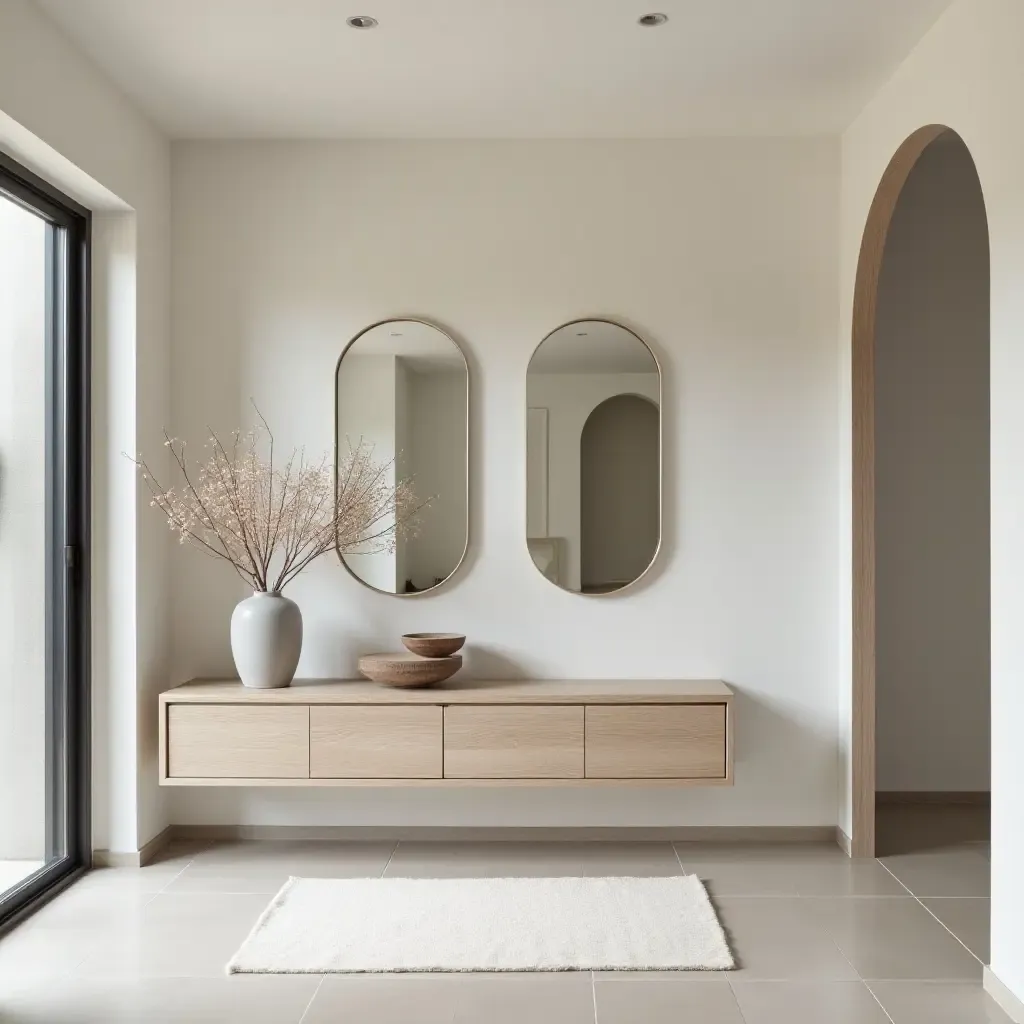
[[268, 521]]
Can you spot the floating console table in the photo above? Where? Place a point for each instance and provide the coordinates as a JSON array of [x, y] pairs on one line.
[[542, 733]]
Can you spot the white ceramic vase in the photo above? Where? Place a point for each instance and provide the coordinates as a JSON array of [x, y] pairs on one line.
[[266, 640]]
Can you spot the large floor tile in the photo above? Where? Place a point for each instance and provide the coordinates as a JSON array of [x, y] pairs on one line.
[[237, 1000], [968, 919], [779, 938], [795, 1002], [286, 855], [961, 871], [895, 938], [640, 860], [176, 935], [97, 901], [41, 954], [916, 1002], [788, 871], [384, 999], [485, 860], [563, 997], [243, 869], [665, 998], [557, 998], [760, 853]]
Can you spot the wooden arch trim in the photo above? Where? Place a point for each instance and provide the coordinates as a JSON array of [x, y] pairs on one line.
[[865, 305]]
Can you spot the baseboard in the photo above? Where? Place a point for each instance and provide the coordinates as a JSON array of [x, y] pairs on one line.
[[966, 798], [434, 833], [844, 842], [138, 859], [1008, 1002]]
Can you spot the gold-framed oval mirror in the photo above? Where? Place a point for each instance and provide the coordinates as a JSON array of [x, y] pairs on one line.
[[593, 457], [401, 420]]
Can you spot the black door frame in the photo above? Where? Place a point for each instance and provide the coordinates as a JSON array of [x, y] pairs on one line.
[[68, 441]]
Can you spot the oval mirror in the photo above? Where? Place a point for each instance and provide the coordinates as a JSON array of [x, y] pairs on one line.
[[593, 457], [401, 456]]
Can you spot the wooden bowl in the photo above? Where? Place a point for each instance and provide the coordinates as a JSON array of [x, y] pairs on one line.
[[433, 645], [408, 669]]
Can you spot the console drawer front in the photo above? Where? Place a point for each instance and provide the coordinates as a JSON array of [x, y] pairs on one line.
[[508, 742], [655, 741], [349, 742], [230, 741]]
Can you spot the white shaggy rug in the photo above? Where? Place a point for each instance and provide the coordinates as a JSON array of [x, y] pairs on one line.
[[370, 925]]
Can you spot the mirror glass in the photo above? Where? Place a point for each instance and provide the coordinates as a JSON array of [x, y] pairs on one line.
[[402, 393], [593, 457]]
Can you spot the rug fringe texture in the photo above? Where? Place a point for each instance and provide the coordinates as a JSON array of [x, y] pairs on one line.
[[456, 925]]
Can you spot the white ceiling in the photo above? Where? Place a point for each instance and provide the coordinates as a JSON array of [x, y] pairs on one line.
[[497, 68], [593, 346], [424, 349]]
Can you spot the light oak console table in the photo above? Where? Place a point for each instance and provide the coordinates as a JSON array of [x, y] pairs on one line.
[[465, 733]]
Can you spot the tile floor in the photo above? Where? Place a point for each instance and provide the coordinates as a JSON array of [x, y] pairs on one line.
[[819, 939]]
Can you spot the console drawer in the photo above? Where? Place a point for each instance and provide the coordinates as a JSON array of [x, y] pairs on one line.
[[229, 741], [349, 742], [507, 742], [656, 741]]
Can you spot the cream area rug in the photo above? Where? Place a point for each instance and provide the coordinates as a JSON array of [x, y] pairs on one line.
[[376, 925]]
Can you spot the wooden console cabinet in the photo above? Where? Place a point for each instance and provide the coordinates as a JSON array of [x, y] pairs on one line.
[[545, 733]]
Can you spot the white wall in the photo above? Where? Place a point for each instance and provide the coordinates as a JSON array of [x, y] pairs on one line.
[[62, 117], [932, 482], [570, 398], [437, 414], [23, 402], [980, 39], [720, 253]]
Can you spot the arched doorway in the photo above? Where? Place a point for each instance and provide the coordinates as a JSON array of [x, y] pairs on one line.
[[619, 492], [906, 416]]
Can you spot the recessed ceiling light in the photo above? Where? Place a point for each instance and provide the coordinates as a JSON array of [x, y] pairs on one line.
[[652, 20], [361, 21]]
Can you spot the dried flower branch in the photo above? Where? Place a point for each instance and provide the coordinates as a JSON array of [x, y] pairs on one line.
[[269, 522]]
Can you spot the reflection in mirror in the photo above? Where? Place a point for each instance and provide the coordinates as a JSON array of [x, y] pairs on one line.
[[402, 389], [593, 457]]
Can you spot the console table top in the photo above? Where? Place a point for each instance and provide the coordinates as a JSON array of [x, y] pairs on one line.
[[458, 691]]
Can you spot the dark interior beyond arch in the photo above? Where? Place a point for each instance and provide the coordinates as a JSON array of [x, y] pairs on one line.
[[619, 493]]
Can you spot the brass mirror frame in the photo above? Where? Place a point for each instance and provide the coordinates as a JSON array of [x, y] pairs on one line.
[[661, 455], [337, 425]]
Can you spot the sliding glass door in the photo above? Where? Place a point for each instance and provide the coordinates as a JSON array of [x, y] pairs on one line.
[[44, 539]]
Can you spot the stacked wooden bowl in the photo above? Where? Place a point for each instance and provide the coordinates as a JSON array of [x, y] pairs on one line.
[[429, 658]]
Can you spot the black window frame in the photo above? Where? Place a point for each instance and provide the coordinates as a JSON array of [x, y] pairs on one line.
[[68, 453]]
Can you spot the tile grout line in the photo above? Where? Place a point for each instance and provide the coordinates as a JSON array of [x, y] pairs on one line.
[[388, 862], [593, 995], [929, 911], [312, 997], [679, 860], [871, 992], [163, 891]]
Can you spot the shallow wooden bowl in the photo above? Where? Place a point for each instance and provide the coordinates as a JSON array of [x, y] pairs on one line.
[[408, 669], [433, 645]]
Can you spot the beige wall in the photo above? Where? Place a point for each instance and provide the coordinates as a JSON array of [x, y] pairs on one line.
[[723, 259], [932, 483]]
